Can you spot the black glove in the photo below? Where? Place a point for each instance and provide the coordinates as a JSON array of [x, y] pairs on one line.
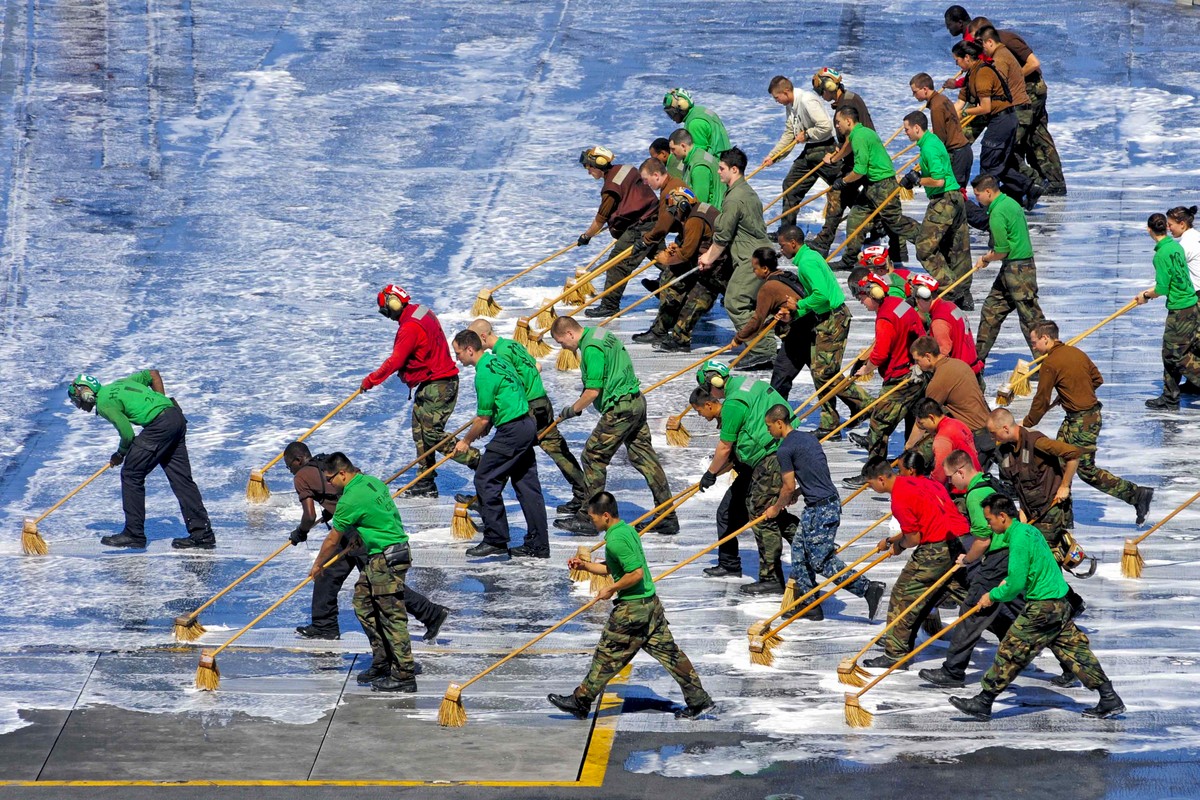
[[583, 240], [115, 459], [856, 366], [838, 185], [911, 179], [707, 480], [569, 412], [297, 536], [640, 246]]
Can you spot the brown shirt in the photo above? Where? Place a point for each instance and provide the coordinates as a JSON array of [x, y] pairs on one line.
[[984, 81], [853, 101], [1006, 62], [1021, 51], [955, 386], [771, 295], [310, 484], [1072, 373], [946, 123], [666, 220]]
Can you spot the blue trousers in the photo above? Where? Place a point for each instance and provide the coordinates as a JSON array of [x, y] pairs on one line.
[[813, 548]]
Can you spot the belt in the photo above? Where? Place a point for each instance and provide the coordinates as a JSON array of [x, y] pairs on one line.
[[826, 143], [637, 599], [1083, 411], [1002, 112], [625, 397], [827, 500]]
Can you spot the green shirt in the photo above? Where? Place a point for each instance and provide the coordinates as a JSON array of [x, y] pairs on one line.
[[623, 554], [1010, 231], [1032, 570], [707, 130], [824, 292], [1171, 277], [740, 225], [366, 506], [525, 365], [871, 158], [978, 490], [128, 402], [499, 393], [606, 366], [700, 174], [897, 286], [743, 419], [935, 163]]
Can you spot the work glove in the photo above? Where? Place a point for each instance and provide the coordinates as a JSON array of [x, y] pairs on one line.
[[838, 185], [569, 412], [115, 459], [856, 366], [583, 240], [911, 179], [707, 480], [640, 246], [297, 536]]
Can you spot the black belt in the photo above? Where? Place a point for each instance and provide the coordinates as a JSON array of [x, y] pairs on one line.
[[826, 143], [829, 499], [1002, 112], [1083, 411], [625, 397], [637, 599]]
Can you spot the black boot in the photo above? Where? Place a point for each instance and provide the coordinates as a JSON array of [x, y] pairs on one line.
[[373, 673], [940, 677], [1109, 706], [979, 706], [426, 487], [873, 596], [570, 704]]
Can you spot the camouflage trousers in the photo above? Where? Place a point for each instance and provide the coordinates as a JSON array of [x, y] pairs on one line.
[[620, 270], [1038, 147], [1180, 349], [836, 203], [925, 566], [682, 305], [635, 625], [623, 424], [981, 577], [891, 217], [554, 444], [432, 405], [753, 490], [809, 158], [1053, 523], [829, 346], [1082, 429], [886, 415], [379, 606], [813, 548], [1043, 623], [944, 242], [1015, 289]]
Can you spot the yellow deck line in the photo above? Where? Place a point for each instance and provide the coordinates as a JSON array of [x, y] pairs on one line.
[[591, 771]]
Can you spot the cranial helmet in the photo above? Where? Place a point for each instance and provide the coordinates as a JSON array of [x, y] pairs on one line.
[[597, 157], [713, 373], [677, 103], [392, 301], [826, 80], [874, 256], [83, 391], [923, 286], [681, 200]]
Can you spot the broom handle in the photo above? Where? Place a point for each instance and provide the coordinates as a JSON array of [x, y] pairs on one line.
[[900, 130], [758, 337], [528, 270], [192, 616], [936, 585], [274, 605], [670, 507], [549, 305], [787, 148], [424, 472], [775, 632], [922, 646], [864, 532], [785, 192], [634, 305], [749, 346], [72, 493], [544, 432], [840, 374], [708, 549], [1125, 309], [867, 408], [874, 212], [799, 206], [848, 568], [1167, 518], [688, 368], [607, 291], [309, 432], [865, 486], [430, 451], [588, 267]]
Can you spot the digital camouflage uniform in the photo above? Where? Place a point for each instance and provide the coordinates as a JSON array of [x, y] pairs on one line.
[[1043, 623], [433, 403], [928, 563], [1015, 289], [813, 548], [1082, 429], [943, 242], [637, 625], [379, 606]]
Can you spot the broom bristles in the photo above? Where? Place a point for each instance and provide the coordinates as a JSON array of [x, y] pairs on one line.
[[32, 543], [256, 488], [599, 582], [537, 348], [521, 334], [461, 526], [677, 435], [188, 629], [572, 294], [761, 654], [208, 677], [906, 194], [567, 360], [1020, 379], [851, 674], [585, 288], [545, 317], [1131, 560], [451, 713], [583, 553], [1005, 395], [856, 715], [789, 594], [485, 305]]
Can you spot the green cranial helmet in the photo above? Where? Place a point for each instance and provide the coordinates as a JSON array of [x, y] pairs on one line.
[[712, 373], [677, 103], [83, 391]]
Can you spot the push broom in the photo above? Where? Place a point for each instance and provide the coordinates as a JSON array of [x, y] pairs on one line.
[[653, 294], [859, 717], [783, 151], [429, 452], [188, 627], [208, 677], [32, 543], [664, 510], [536, 347], [485, 302], [256, 489], [849, 672], [1131, 557], [789, 189]]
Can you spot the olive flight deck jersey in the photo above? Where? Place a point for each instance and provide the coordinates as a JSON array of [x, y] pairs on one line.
[[128, 402], [367, 506], [524, 364], [605, 365]]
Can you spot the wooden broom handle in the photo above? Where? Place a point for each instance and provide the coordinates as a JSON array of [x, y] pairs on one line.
[[867, 408], [274, 605], [1125, 309], [775, 156], [655, 293], [936, 585], [749, 346], [424, 472], [588, 267], [848, 568], [874, 212], [430, 451], [662, 511], [530, 269], [865, 486], [688, 368], [882, 557], [71, 493], [784, 193], [606, 292], [549, 305], [709, 548], [192, 616], [322, 421], [799, 206], [1167, 518], [758, 337], [909, 657], [864, 532]]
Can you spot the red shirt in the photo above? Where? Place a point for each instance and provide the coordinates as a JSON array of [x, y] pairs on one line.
[[924, 506], [420, 352], [948, 324], [951, 435], [897, 326]]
